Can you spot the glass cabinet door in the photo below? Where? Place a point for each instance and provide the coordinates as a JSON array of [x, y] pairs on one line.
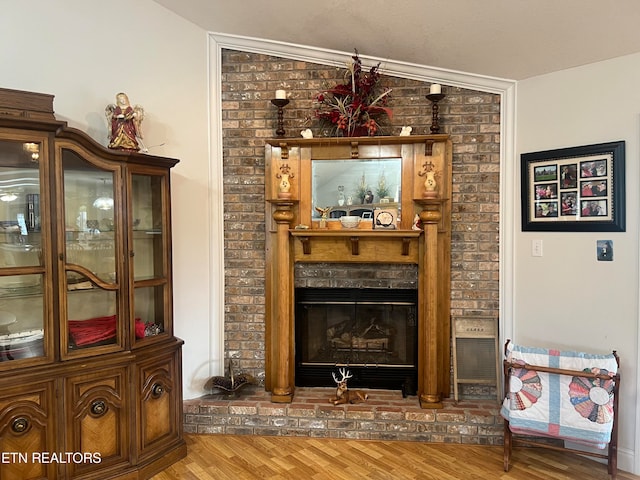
[[149, 240], [91, 249], [23, 309]]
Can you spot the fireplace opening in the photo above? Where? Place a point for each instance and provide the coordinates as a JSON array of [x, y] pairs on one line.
[[373, 332]]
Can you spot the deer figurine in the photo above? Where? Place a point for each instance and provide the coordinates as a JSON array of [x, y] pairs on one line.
[[343, 394]]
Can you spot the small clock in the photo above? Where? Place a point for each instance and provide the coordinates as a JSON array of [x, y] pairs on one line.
[[385, 218]]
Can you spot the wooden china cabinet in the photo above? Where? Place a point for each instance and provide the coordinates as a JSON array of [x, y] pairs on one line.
[[90, 372]]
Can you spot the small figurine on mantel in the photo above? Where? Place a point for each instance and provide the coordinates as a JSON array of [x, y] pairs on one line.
[[324, 214], [124, 121], [406, 131]]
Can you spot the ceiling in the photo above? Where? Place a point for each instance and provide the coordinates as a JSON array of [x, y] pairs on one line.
[[508, 39]]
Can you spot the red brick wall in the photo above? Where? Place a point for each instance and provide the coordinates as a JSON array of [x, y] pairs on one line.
[[471, 118]]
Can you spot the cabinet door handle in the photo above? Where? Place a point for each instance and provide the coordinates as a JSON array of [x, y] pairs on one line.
[[20, 425], [98, 408], [157, 390]]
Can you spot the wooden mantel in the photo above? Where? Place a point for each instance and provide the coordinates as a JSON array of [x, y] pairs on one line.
[[345, 244], [292, 238]]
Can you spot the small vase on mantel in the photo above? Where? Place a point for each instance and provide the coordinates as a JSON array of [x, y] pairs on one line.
[[284, 186], [430, 185], [284, 189]]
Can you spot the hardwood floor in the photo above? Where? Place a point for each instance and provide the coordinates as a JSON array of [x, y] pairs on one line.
[[240, 457]]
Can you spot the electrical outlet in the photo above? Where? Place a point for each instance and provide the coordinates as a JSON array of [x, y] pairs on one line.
[[536, 248]]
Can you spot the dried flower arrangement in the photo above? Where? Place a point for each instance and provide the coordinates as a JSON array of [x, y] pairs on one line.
[[354, 108]]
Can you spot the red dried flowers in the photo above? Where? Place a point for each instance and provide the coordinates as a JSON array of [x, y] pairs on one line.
[[355, 107]]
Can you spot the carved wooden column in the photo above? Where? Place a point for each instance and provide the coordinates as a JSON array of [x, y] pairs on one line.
[[283, 388], [429, 335]]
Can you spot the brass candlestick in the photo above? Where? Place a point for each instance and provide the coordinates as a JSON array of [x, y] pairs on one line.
[[434, 98], [280, 103]]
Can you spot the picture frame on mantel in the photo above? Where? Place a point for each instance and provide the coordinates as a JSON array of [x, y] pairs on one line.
[[575, 189]]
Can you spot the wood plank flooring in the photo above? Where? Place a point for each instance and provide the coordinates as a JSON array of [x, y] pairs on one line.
[[247, 457]]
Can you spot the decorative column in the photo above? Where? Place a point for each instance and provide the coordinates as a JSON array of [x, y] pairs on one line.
[[282, 391], [429, 392]]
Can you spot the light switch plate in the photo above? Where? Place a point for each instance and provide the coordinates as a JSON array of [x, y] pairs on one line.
[[536, 248]]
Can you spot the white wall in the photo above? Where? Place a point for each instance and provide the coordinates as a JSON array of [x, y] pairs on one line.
[[84, 52], [566, 299]]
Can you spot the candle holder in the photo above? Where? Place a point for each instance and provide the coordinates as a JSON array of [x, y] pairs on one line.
[[434, 98], [280, 103]]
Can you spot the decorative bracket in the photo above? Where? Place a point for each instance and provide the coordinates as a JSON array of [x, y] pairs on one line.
[[355, 245], [406, 242], [354, 150], [306, 245], [284, 151], [428, 147]]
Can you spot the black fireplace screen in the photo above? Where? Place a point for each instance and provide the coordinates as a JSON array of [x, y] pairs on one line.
[[371, 331]]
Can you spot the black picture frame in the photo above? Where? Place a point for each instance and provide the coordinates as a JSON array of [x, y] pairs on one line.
[[575, 189]]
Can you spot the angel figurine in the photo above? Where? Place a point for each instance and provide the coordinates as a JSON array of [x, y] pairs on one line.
[[125, 122], [324, 212]]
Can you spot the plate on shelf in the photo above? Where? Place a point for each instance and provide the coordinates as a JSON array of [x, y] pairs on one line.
[[19, 282], [7, 318]]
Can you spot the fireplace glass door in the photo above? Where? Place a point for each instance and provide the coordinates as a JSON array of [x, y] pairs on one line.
[[373, 332]]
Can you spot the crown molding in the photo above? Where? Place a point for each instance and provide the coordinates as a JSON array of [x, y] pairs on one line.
[[388, 67]]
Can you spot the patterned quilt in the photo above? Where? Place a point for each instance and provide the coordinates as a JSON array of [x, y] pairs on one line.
[[569, 407]]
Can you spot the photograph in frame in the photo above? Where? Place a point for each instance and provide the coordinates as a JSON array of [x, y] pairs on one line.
[[574, 189]]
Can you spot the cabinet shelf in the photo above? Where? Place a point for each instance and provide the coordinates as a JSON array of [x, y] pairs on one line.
[[23, 292]]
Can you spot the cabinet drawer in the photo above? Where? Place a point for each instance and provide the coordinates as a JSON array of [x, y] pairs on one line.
[[26, 430], [98, 418], [159, 394]]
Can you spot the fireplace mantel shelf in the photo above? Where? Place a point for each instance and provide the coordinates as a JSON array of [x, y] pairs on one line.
[[354, 232], [354, 235]]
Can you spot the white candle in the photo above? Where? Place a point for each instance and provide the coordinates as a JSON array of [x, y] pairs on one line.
[[281, 94], [436, 88]]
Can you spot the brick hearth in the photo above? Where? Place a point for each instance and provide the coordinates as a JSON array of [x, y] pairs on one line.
[[385, 416]]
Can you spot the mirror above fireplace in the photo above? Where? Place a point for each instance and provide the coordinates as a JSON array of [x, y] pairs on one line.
[[355, 186]]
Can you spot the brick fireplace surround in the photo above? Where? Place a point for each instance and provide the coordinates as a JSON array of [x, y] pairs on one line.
[[472, 119]]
